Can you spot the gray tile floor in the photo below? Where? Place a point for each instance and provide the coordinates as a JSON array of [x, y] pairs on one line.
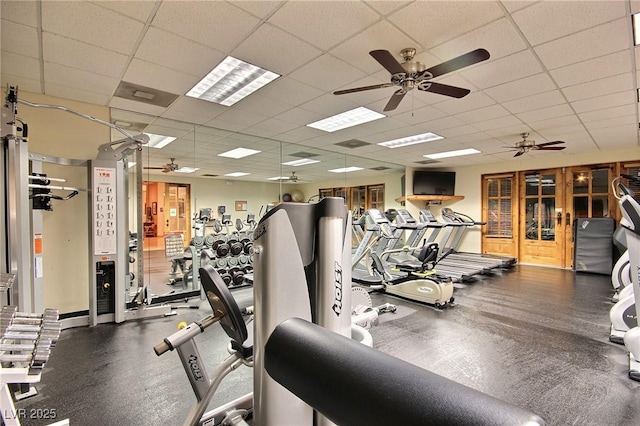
[[535, 337]]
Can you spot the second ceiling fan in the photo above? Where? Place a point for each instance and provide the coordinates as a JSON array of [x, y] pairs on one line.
[[414, 74]]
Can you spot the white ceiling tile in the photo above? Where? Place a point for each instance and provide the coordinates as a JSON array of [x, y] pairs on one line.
[[594, 69], [509, 133], [419, 115], [565, 132], [290, 91], [615, 136], [458, 131], [553, 123], [497, 123], [261, 8], [237, 116], [385, 7], [262, 105], [22, 12], [606, 101], [329, 105], [521, 88], [71, 92], [300, 116], [156, 76], [186, 117], [608, 38], [503, 70], [316, 73], [534, 102], [75, 54], [190, 105], [381, 35], [608, 113], [513, 5], [486, 113], [310, 21], [411, 102], [19, 39], [142, 107], [592, 89], [635, 6], [140, 10], [258, 50], [627, 120], [91, 24], [23, 66], [23, 83], [201, 21], [549, 20], [432, 26], [273, 126], [187, 56], [298, 135], [468, 103], [545, 113], [499, 38], [440, 124]]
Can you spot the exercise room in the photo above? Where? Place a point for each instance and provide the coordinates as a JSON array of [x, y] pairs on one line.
[[320, 212]]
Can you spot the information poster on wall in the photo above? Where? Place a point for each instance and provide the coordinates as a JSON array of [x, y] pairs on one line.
[[104, 206]]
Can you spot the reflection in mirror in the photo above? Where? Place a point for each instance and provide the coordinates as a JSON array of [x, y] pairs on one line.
[[198, 181]]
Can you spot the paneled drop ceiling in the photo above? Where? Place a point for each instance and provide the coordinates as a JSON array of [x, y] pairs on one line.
[[559, 70]]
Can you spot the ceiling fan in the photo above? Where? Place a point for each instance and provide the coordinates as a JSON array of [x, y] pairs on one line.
[[411, 74], [526, 145], [169, 167]]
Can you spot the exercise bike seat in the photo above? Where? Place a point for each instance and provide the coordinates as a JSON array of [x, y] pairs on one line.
[[428, 254]]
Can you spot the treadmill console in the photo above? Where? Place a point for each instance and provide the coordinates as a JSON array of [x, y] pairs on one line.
[[404, 217], [377, 216], [427, 216]]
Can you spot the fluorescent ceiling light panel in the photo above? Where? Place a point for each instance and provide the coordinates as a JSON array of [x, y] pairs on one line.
[[346, 119], [346, 169], [159, 141], [300, 162], [131, 164], [237, 174], [411, 140], [231, 81], [239, 153], [278, 178], [456, 153], [187, 169], [635, 19]]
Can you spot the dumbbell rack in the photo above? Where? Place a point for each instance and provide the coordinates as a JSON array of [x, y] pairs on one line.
[[26, 340]]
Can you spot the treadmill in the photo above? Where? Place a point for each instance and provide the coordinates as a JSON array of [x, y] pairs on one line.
[[504, 262]]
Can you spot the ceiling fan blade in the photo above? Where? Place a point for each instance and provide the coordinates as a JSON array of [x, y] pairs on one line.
[[462, 61], [519, 153], [549, 143], [387, 60], [154, 168], [361, 89], [549, 148], [395, 100], [444, 89]]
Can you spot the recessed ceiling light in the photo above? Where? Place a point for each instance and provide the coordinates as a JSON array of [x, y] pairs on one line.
[[231, 81], [346, 119], [239, 153], [457, 153], [237, 174], [301, 162], [635, 20], [346, 169], [278, 178], [411, 140], [187, 169], [159, 141], [131, 164]]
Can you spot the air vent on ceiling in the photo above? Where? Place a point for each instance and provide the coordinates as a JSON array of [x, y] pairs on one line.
[[304, 154], [135, 92], [209, 175], [380, 168], [353, 143], [427, 162]]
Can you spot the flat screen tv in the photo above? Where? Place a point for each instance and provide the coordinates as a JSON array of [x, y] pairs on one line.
[[434, 183]]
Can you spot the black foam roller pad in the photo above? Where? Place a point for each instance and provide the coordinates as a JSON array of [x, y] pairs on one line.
[[353, 384]]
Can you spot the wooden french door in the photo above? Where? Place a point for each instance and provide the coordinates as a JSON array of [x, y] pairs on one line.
[[177, 214], [543, 224], [588, 195]]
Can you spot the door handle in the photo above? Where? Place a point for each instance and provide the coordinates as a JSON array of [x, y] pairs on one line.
[[568, 218], [559, 217]]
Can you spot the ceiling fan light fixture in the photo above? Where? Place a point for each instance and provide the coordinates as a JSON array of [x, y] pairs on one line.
[[300, 162], [456, 153], [411, 140], [239, 153], [635, 21], [237, 174], [159, 141], [231, 81], [346, 119]]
